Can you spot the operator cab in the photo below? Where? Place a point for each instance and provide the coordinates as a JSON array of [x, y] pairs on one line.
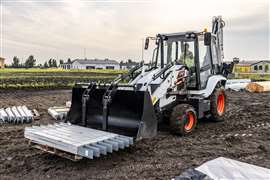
[[197, 51]]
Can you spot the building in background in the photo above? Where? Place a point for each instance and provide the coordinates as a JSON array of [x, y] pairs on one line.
[[66, 65], [254, 66], [2, 62], [243, 67], [91, 64], [261, 67]]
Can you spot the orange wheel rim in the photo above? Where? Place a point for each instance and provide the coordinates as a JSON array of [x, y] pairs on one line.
[[190, 121], [220, 103]]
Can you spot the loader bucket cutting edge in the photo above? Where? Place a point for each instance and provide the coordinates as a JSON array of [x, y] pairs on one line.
[[131, 113]]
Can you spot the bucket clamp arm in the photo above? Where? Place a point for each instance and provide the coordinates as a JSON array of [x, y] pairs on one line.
[[107, 100], [85, 99]]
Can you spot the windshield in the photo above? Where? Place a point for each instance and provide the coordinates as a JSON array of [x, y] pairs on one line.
[[180, 50]]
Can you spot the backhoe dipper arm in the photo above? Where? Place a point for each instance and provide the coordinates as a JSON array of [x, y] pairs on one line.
[[217, 29]]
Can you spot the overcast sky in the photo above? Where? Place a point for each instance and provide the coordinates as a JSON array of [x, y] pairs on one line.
[[114, 28]]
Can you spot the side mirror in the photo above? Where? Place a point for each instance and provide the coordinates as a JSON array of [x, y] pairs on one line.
[[207, 39], [146, 43]]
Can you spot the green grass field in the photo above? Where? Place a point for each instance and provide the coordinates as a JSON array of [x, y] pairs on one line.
[[56, 70], [51, 78], [12, 78]]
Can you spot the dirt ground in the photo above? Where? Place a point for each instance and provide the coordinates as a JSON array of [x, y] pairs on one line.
[[163, 157]]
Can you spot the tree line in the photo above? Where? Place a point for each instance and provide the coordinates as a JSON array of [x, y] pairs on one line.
[[31, 62]]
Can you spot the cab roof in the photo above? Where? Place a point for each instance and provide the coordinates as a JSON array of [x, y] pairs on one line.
[[178, 34]]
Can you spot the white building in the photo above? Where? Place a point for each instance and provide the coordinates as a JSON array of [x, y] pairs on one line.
[[261, 67], [91, 64]]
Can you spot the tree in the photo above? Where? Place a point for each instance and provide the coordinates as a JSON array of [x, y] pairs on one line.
[[16, 62], [30, 62], [45, 65], [69, 61], [54, 63], [50, 63], [61, 61]]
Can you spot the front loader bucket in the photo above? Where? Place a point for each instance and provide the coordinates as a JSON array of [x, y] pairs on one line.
[[130, 113]]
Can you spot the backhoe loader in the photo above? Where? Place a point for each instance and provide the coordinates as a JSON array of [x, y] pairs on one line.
[[183, 82]]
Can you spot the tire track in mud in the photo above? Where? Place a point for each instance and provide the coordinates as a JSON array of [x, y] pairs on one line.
[[248, 132]]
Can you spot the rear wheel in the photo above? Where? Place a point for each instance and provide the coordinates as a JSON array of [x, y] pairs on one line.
[[183, 119], [218, 104]]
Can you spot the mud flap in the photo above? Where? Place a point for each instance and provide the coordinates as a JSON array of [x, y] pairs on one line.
[[130, 112]]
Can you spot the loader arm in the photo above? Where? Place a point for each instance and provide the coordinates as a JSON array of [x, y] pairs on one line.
[[129, 74]]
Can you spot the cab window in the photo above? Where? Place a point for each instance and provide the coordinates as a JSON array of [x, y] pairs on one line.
[[187, 54]]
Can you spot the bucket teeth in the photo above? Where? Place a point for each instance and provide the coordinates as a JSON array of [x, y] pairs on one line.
[[82, 141]]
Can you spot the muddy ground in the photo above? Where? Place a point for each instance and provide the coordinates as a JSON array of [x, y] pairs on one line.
[[160, 158]]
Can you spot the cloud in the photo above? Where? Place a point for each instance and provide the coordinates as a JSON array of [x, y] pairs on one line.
[[114, 28]]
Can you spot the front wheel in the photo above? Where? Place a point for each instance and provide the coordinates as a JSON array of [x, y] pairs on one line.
[[183, 119], [218, 104]]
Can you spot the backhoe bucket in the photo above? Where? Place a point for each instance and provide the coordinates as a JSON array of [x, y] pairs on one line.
[[130, 112]]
